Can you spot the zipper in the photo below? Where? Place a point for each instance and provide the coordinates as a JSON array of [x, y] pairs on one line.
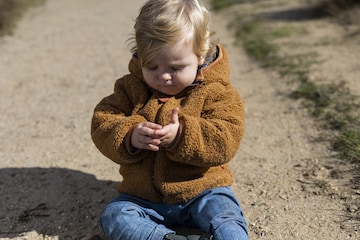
[[156, 154]]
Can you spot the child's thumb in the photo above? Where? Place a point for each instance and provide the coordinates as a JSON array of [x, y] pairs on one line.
[[174, 115]]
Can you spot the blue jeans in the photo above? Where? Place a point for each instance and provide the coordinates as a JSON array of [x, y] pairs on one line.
[[215, 211]]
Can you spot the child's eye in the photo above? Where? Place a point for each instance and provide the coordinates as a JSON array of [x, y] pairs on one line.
[[176, 68], [151, 68]]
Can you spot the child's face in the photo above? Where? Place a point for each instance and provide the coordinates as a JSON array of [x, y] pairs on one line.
[[172, 70]]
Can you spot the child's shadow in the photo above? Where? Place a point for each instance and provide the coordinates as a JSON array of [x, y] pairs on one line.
[[52, 201]]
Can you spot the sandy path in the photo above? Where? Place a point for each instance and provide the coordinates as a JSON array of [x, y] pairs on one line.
[[63, 58]]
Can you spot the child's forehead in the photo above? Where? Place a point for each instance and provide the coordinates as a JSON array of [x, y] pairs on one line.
[[178, 49], [174, 54], [180, 46]]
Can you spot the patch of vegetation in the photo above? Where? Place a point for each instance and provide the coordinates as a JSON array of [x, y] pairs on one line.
[[348, 144], [336, 108], [258, 41], [221, 4], [11, 11]]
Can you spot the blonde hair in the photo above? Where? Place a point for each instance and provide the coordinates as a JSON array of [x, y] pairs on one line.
[[164, 22]]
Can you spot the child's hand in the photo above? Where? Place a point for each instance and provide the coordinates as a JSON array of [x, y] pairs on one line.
[[144, 136], [168, 133]]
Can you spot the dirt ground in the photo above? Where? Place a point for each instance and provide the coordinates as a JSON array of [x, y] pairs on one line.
[[64, 57]]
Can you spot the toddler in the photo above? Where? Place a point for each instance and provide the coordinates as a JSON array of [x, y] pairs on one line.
[[172, 124]]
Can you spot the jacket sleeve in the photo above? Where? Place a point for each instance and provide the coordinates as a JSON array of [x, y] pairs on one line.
[[111, 122], [213, 138]]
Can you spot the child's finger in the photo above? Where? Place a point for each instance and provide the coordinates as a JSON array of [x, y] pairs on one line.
[[174, 115], [152, 125]]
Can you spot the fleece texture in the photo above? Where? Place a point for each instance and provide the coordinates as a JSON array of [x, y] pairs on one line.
[[211, 115]]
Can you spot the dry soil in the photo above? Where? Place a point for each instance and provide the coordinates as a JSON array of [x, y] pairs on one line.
[[65, 56]]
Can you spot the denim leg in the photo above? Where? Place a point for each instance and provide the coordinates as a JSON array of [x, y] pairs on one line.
[[217, 211], [124, 218]]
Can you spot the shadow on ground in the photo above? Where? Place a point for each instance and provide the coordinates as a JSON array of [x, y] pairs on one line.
[[296, 14], [51, 201]]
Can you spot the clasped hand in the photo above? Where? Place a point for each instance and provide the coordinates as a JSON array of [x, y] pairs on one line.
[[152, 136]]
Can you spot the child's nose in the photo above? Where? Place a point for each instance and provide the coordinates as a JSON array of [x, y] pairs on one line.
[[165, 76]]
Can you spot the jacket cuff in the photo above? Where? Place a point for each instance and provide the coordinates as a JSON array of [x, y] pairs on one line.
[[127, 143]]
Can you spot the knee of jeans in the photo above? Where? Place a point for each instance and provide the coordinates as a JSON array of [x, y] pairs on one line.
[[121, 209], [117, 214]]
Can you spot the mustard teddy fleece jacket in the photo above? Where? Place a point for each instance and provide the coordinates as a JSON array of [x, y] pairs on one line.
[[211, 115]]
